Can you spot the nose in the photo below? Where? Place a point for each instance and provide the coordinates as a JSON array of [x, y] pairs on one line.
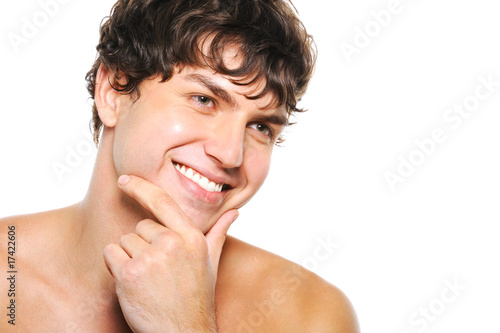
[[226, 142]]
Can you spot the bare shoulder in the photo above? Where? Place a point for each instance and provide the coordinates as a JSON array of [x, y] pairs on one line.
[[281, 296], [26, 248], [22, 221], [16, 232], [31, 236], [26, 227]]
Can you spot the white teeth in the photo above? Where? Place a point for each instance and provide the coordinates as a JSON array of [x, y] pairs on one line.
[[211, 187], [204, 182], [196, 178], [189, 173]]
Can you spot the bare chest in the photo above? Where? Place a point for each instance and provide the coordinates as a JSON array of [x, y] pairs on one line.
[[47, 308]]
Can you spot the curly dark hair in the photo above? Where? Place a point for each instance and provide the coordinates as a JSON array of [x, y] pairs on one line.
[[144, 38]]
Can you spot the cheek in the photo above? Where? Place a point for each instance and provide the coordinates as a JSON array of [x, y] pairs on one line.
[[141, 142], [257, 167]]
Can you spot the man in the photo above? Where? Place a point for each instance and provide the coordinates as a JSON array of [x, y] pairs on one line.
[[190, 98]]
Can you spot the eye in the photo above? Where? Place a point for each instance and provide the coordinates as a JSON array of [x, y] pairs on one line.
[[262, 128], [203, 100]]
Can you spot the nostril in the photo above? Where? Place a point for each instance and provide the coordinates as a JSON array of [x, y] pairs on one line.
[[226, 145]]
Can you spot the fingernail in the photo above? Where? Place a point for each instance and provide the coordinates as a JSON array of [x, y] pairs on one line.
[[123, 179]]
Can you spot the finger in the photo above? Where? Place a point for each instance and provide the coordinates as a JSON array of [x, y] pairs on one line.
[[148, 229], [156, 200], [133, 244], [216, 236], [115, 258]]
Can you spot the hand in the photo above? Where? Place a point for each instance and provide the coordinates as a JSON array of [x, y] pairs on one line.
[[166, 273]]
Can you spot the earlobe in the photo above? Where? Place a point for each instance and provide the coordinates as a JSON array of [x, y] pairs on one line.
[[106, 97]]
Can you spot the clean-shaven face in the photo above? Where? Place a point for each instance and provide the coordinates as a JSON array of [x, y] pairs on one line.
[[200, 139]]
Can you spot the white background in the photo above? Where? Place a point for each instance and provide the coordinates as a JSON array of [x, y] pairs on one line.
[[397, 248]]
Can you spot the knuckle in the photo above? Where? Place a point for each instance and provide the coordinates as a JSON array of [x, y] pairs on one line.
[[126, 238], [153, 257], [148, 257], [143, 224], [108, 249], [169, 242], [131, 272], [164, 237]]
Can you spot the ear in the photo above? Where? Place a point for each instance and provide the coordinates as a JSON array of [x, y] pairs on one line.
[[106, 97]]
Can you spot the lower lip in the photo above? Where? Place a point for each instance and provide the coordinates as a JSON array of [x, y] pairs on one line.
[[199, 192]]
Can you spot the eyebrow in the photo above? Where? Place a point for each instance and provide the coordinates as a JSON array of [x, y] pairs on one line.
[[279, 118], [214, 88]]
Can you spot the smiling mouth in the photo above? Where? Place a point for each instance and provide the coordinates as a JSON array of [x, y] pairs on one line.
[[199, 179]]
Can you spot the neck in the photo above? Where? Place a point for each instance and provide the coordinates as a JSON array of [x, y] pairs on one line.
[[104, 215]]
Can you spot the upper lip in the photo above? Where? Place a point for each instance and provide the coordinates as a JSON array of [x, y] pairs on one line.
[[212, 176]]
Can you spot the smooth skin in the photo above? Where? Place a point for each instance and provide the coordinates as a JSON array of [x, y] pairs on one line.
[[168, 265]]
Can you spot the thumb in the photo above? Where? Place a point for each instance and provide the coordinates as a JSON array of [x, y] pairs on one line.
[[216, 236]]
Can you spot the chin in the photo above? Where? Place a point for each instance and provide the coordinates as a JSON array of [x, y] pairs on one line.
[[203, 220]]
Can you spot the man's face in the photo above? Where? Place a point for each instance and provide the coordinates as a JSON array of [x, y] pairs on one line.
[[200, 139]]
